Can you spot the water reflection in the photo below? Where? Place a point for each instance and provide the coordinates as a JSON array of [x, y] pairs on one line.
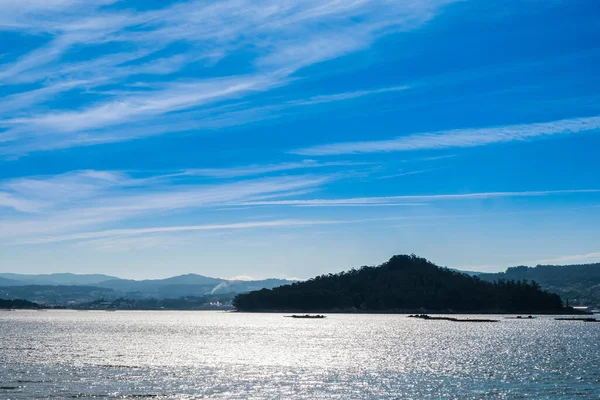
[[180, 355]]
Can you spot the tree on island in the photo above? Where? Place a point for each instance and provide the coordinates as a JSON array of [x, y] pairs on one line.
[[404, 283]]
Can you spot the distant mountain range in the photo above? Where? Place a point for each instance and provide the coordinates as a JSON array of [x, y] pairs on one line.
[[7, 279], [9, 282], [64, 288], [577, 284]]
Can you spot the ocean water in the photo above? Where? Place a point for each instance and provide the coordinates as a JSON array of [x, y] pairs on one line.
[[223, 355]]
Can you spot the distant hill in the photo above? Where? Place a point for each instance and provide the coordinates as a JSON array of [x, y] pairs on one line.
[[191, 279], [182, 285], [9, 282], [64, 289], [580, 284], [54, 279], [59, 294], [188, 280], [404, 283]]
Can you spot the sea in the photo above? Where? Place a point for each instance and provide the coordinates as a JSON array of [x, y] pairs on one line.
[[226, 355]]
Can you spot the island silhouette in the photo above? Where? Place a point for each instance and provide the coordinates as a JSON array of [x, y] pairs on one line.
[[405, 283]]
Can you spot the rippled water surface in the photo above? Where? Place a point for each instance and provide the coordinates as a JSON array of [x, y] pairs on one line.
[[198, 355]]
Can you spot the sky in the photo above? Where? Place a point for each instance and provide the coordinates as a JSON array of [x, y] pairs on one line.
[[146, 139]]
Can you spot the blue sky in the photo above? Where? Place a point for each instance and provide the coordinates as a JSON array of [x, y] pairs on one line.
[[288, 139]]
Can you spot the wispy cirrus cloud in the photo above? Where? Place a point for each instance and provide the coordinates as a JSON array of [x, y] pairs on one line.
[[44, 16], [401, 200], [39, 193], [73, 128], [87, 200], [128, 49], [9, 200], [407, 173], [142, 105], [458, 138], [257, 169], [45, 192], [114, 235], [118, 233]]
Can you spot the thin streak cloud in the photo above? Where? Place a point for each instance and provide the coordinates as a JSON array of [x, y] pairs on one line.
[[135, 232], [235, 172], [387, 200], [458, 138], [184, 228], [86, 200]]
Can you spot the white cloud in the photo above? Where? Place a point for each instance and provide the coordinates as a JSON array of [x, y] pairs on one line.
[[329, 98], [24, 100], [458, 138], [71, 202], [10, 201], [108, 237], [38, 193], [149, 115], [128, 49], [178, 97], [43, 15], [185, 228], [407, 173], [234, 172], [401, 200]]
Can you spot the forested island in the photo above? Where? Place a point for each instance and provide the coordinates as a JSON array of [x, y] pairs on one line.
[[405, 283]]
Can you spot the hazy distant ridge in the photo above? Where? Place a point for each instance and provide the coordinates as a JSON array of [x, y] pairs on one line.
[[580, 284], [67, 287], [53, 279]]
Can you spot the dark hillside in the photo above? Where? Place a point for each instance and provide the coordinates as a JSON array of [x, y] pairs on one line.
[[18, 304], [580, 284], [403, 283]]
